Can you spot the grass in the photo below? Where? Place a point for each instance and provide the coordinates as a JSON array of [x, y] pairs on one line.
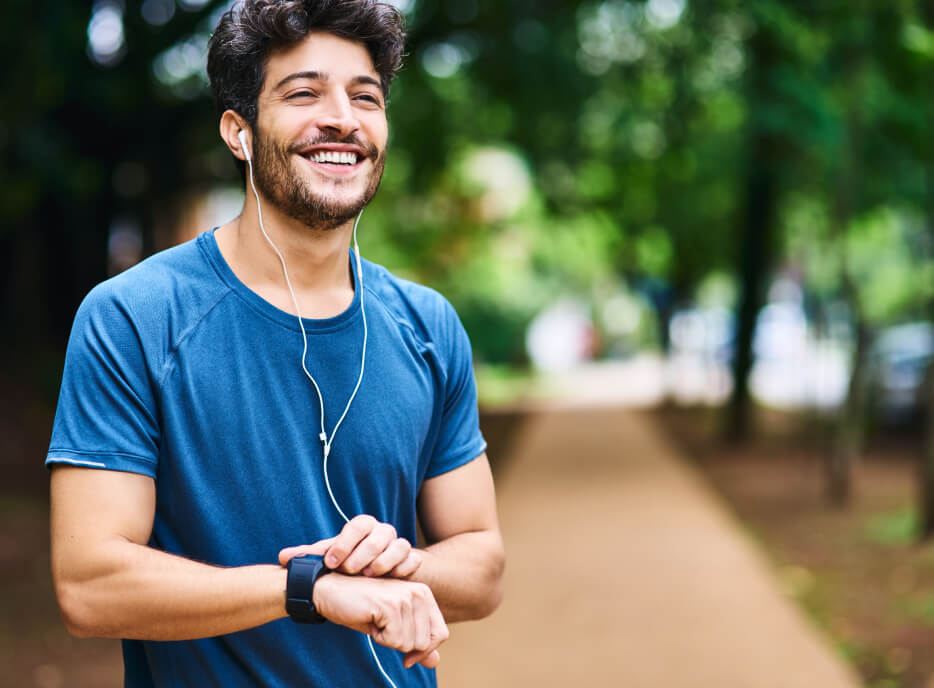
[[894, 527], [500, 385]]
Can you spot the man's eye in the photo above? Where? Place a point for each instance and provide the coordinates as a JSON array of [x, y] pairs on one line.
[[366, 97], [300, 94]]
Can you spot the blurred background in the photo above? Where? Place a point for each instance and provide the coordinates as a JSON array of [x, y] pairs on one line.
[[717, 213]]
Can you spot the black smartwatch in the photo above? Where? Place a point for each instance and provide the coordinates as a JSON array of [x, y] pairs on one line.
[[303, 573]]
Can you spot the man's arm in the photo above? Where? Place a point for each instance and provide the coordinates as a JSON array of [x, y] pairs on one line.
[[109, 583], [464, 560]]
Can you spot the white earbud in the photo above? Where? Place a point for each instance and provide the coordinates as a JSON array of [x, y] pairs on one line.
[[246, 149]]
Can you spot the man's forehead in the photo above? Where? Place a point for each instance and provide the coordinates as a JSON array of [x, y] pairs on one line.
[[323, 55]]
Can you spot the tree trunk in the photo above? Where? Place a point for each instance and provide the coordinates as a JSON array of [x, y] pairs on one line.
[[755, 255], [926, 464], [926, 468], [848, 444], [842, 456], [755, 260]]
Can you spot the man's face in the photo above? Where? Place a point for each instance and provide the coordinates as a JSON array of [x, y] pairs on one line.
[[320, 138]]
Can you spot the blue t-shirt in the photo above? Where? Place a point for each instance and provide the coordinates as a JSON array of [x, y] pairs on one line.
[[176, 370]]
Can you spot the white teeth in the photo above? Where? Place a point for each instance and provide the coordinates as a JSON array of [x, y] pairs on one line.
[[340, 158]]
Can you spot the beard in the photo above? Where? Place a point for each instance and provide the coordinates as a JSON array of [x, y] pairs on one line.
[[293, 196]]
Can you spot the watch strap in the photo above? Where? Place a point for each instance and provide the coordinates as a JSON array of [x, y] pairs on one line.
[[303, 573]]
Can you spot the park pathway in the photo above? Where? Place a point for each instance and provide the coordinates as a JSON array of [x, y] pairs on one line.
[[625, 569]]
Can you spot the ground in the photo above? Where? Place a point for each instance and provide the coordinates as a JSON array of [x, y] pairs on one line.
[[858, 570], [624, 568]]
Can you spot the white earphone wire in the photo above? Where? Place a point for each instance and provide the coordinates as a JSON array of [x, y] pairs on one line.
[[325, 440], [288, 283]]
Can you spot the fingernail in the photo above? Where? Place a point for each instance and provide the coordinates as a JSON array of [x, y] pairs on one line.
[[330, 561]]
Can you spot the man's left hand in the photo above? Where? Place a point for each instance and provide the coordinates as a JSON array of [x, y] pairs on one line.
[[364, 546]]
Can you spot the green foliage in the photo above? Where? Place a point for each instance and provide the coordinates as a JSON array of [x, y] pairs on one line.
[[538, 147], [894, 277], [885, 251], [896, 527], [501, 385]]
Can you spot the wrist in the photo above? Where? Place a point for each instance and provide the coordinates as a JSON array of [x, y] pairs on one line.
[[321, 593]]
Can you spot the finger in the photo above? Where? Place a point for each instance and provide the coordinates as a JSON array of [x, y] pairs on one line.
[[394, 555], [380, 538], [319, 547], [422, 624], [408, 616], [436, 628], [409, 566], [381, 626], [390, 624], [350, 536], [439, 629], [429, 659]]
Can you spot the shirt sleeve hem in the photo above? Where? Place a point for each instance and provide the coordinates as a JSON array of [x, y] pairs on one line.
[[127, 463], [456, 459]]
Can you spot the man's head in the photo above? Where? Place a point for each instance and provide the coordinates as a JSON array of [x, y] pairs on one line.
[[308, 80]]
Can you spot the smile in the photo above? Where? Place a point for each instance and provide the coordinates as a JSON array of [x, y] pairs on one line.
[[332, 157]]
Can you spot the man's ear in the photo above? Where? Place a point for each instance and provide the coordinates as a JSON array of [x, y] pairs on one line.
[[231, 124]]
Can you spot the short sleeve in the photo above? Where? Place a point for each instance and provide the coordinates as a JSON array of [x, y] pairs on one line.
[[106, 415], [459, 437]]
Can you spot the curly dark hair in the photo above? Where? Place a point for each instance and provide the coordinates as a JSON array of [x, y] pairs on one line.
[[252, 30]]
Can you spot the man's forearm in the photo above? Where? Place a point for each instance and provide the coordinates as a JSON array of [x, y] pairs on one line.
[[134, 591], [465, 574]]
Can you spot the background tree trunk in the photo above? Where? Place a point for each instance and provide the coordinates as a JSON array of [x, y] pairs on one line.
[[926, 459], [851, 421], [755, 236], [926, 463], [847, 446]]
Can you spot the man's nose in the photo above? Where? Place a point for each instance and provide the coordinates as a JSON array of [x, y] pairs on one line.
[[338, 115]]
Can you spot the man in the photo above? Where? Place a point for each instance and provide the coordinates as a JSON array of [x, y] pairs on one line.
[[193, 457]]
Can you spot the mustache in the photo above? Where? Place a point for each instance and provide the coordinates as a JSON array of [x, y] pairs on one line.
[[370, 150]]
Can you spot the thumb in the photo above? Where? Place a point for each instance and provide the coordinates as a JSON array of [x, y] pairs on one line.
[[429, 659], [320, 547], [378, 624]]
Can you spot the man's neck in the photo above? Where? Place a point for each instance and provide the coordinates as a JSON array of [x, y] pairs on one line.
[[317, 260]]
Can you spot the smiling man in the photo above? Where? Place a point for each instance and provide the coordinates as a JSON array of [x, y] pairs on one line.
[[252, 425]]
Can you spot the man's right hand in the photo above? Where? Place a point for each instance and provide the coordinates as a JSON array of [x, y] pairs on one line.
[[399, 614], [365, 547]]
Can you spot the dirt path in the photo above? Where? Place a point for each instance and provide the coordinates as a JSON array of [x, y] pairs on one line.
[[626, 570]]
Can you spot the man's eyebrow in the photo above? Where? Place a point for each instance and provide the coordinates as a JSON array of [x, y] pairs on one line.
[[322, 76], [366, 80], [312, 75]]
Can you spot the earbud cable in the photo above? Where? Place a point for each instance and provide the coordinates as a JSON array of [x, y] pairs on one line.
[[325, 440]]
